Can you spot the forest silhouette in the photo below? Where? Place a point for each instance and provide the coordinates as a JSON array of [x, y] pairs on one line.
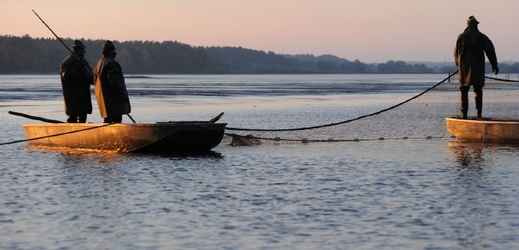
[[27, 55]]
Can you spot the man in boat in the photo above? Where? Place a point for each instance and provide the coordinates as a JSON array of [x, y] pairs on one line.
[[469, 56], [76, 78], [112, 96]]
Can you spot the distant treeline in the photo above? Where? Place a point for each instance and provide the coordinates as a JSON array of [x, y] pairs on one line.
[[27, 55]]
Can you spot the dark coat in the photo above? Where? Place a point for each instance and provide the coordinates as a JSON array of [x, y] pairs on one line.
[[110, 89], [76, 78], [469, 56]]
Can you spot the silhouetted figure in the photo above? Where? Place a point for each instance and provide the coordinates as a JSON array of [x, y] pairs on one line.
[[111, 93], [76, 78], [469, 56]]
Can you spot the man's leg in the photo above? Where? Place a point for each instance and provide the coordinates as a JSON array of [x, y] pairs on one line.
[[464, 101], [478, 95]]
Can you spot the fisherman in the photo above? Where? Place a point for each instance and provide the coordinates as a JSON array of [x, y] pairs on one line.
[[76, 78], [469, 56], [112, 96]]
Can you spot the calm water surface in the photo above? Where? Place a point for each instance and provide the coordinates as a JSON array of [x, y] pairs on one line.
[[378, 194]]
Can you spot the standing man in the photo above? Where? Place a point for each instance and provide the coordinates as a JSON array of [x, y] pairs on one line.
[[469, 56], [111, 93], [76, 78]]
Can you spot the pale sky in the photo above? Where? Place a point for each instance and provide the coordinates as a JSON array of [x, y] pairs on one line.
[[367, 30]]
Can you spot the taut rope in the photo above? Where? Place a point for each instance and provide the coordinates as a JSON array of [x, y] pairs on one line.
[[354, 119]]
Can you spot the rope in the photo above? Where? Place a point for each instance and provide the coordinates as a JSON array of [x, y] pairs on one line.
[[347, 121], [48, 136], [499, 79]]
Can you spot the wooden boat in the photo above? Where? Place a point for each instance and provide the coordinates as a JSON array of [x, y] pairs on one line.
[[159, 137], [485, 130]]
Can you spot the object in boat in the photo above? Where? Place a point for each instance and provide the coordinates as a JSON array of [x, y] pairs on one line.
[[160, 137], [485, 130]]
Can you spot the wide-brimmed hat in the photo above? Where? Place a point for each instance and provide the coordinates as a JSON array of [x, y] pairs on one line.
[[108, 46], [78, 45], [472, 20]]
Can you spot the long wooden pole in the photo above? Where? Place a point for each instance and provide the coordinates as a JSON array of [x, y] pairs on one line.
[[34, 117], [59, 39]]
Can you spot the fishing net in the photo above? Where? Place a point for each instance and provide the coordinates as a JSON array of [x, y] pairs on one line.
[[422, 116]]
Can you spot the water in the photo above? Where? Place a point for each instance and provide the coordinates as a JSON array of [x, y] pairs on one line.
[[376, 194]]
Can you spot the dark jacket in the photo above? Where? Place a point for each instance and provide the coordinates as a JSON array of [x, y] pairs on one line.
[[469, 56], [110, 89], [76, 78]]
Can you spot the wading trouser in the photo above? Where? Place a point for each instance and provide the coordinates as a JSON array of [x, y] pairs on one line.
[[464, 102]]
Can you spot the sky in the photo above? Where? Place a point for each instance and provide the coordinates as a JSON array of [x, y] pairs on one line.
[[372, 31]]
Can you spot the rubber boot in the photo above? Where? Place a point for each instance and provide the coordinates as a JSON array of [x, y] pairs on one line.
[[72, 119], [478, 96], [464, 103]]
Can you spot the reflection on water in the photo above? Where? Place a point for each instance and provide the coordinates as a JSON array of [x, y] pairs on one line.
[[78, 157], [476, 189], [467, 154], [470, 203], [209, 154]]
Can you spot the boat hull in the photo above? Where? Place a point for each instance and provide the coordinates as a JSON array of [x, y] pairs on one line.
[[485, 130], [161, 137]]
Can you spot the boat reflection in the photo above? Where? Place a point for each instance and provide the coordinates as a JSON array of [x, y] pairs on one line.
[[208, 154], [467, 154], [469, 182]]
